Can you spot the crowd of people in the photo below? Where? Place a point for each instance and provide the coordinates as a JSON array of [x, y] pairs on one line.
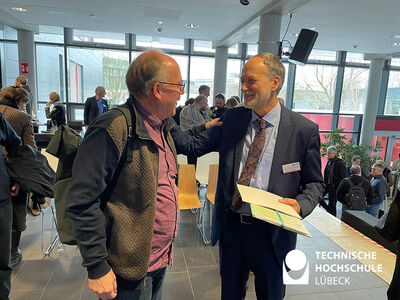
[[123, 198]]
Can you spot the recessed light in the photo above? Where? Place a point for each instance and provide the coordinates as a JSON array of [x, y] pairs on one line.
[[18, 8], [312, 28], [396, 44], [295, 34], [193, 26], [158, 29], [160, 22], [355, 46], [396, 36], [57, 13], [91, 15]]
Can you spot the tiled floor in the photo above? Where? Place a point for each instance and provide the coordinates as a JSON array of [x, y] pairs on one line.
[[194, 274]]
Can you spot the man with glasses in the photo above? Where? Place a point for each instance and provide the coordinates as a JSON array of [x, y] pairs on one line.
[[128, 243]]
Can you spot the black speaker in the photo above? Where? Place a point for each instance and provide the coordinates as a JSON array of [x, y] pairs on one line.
[[304, 44]]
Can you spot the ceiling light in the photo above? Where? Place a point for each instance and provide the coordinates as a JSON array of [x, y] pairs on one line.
[[192, 26], [160, 22], [312, 28], [396, 44], [396, 36], [18, 8], [355, 46], [158, 29], [244, 2], [91, 15], [295, 34]]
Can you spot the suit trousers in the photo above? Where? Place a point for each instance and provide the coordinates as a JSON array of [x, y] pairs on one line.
[[5, 246], [244, 248], [332, 200]]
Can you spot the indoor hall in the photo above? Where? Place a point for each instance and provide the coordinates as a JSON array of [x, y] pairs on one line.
[[349, 85]]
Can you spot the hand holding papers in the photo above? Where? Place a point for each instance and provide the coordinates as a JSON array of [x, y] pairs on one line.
[[266, 207]]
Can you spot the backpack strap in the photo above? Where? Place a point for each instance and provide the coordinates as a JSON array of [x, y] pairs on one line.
[[350, 182], [126, 156]]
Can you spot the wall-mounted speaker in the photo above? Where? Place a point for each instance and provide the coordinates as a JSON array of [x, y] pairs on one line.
[[304, 44]]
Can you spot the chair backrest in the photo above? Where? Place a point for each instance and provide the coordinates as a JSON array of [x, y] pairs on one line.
[[212, 182], [53, 161], [187, 186]]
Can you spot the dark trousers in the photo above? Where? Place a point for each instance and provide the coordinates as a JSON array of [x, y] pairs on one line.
[[5, 246], [192, 160], [244, 248], [149, 289], [331, 206]]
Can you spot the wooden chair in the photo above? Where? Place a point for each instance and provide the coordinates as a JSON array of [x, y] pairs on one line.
[[208, 205], [212, 183], [188, 198]]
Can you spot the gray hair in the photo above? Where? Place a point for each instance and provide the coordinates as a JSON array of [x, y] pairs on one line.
[[355, 170], [274, 67], [332, 149], [379, 166], [355, 157], [200, 98], [22, 79], [143, 72]]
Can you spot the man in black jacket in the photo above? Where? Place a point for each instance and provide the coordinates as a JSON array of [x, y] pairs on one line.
[[334, 173], [357, 179], [95, 106], [10, 140]]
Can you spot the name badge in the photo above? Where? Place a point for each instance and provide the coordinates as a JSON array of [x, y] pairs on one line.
[[289, 168]]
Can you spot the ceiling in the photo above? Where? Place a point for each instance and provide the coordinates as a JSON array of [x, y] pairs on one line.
[[365, 26]]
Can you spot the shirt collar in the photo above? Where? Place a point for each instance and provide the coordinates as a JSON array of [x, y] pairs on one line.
[[150, 118], [272, 117]]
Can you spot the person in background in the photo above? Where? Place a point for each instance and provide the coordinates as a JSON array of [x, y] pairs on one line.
[[176, 117], [396, 165], [95, 106], [379, 188], [356, 178], [205, 90], [219, 108], [22, 82], [355, 160], [231, 103], [12, 104], [57, 114], [334, 173], [10, 141]]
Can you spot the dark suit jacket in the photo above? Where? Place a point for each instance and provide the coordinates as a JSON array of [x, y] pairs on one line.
[[92, 110], [297, 141]]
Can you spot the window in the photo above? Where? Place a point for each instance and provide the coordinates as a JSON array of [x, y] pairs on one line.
[[183, 66], [354, 91], [50, 34], [324, 121], [252, 49], [323, 55], [7, 33], [159, 42], [232, 78], [98, 67], [395, 62], [392, 104], [234, 49], [282, 93], [358, 58], [314, 88], [9, 63], [75, 82], [201, 72], [99, 37], [203, 46]]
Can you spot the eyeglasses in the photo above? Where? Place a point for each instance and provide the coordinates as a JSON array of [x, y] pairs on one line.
[[181, 85]]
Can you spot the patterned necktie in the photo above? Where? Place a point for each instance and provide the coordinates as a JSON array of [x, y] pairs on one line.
[[253, 157]]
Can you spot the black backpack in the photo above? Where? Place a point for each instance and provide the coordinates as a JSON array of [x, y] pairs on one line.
[[355, 198]]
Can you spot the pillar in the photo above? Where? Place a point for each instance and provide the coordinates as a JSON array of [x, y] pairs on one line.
[[269, 33], [371, 105], [26, 62], [221, 61]]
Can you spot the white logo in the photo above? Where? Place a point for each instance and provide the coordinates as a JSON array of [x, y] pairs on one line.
[[296, 260]]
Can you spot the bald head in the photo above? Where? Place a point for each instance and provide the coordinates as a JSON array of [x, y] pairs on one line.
[[147, 69]]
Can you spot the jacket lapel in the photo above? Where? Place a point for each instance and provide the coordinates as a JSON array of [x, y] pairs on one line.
[[282, 142], [239, 146]]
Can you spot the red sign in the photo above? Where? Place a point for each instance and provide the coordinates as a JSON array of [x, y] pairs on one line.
[[24, 68]]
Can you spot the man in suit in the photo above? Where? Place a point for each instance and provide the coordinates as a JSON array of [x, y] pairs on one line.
[[95, 106], [268, 147]]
